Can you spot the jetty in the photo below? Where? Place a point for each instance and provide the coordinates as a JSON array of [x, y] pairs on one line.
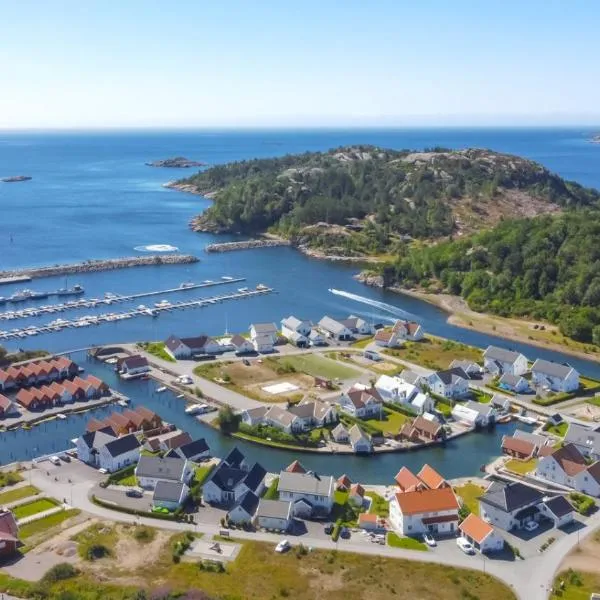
[[36, 311], [159, 308], [91, 266], [246, 245]]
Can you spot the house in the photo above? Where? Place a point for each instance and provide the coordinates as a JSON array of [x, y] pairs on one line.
[[451, 383], [295, 467], [119, 453], [356, 495], [274, 515], [242, 512], [498, 361], [554, 376], [408, 330], [264, 329], [254, 481], [193, 451], [555, 419], [372, 522], [361, 403], [132, 366], [540, 441], [568, 467], [75, 391], [387, 338], [510, 505], [152, 469], [334, 329], [65, 396], [188, 347], [283, 419], [120, 423], [343, 483], [314, 413], [150, 419], [360, 441], [174, 440], [316, 338], [517, 448], [8, 408], [558, 510], [422, 430], [407, 481], [358, 326], [472, 369], [228, 484], [474, 414], [513, 383], [309, 493], [262, 343], [254, 416], [340, 434], [422, 403], [236, 460], [299, 340], [481, 534], [9, 534], [88, 445], [431, 478], [394, 389], [88, 388], [292, 325], [7, 381], [170, 494], [29, 400], [413, 378], [241, 345], [586, 440], [425, 510], [500, 403]]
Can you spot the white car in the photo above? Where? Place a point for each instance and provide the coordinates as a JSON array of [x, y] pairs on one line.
[[531, 525], [429, 540], [283, 546], [54, 460], [465, 545], [103, 471]]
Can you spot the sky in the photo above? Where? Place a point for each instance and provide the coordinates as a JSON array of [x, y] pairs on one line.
[[232, 63]]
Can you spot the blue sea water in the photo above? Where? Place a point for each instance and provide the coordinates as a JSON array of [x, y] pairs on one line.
[[92, 197]]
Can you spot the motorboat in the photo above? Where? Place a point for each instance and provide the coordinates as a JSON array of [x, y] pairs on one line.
[[186, 284], [76, 290], [162, 388]]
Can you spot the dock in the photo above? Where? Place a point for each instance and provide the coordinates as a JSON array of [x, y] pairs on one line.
[[16, 279], [246, 245], [160, 308], [33, 311]]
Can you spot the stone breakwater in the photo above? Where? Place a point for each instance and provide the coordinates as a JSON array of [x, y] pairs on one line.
[[245, 245], [91, 266]]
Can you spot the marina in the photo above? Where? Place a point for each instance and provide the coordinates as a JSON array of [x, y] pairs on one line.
[[159, 308]]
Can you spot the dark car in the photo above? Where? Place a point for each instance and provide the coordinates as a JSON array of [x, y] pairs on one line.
[[345, 533], [328, 528], [246, 362], [134, 493], [65, 457]]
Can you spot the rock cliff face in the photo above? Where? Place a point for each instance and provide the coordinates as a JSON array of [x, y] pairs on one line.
[[370, 278]]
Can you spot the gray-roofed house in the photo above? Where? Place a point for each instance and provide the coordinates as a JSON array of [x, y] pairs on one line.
[[283, 419], [554, 376], [244, 509], [191, 346], [334, 329], [170, 494], [586, 440], [513, 383], [316, 338], [360, 442], [274, 515], [471, 368], [195, 450], [357, 325], [340, 434], [474, 413], [314, 413], [500, 403], [309, 493], [292, 325], [254, 416], [412, 377], [152, 469], [263, 343], [241, 345], [498, 361], [450, 383], [263, 336], [361, 403], [510, 506]]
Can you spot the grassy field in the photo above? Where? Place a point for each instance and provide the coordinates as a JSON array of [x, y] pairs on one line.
[[405, 542], [34, 507], [318, 366], [391, 423], [577, 585], [435, 353], [157, 349], [18, 493], [379, 505], [362, 343], [45, 524], [201, 473], [99, 535], [469, 492], [522, 467], [8, 478], [558, 430]]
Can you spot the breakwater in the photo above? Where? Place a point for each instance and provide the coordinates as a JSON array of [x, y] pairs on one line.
[[90, 266], [245, 245]]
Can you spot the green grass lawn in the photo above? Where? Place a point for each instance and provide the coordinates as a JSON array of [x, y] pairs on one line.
[[469, 492], [128, 480], [157, 349], [407, 543], [480, 396], [362, 343], [271, 493], [558, 430], [379, 505], [201, 473], [17, 494], [391, 423], [577, 585], [9, 478], [319, 366], [33, 508], [46, 523], [522, 467], [444, 408]]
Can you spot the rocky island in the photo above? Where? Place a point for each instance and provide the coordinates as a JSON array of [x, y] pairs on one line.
[[595, 139], [178, 162], [15, 179]]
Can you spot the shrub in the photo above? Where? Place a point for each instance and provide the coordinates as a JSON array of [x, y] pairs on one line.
[[227, 420], [60, 572], [96, 551], [144, 534], [583, 504]]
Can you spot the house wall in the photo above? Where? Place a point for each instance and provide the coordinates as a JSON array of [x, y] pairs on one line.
[[324, 502], [584, 482], [569, 384], [212, 493], [83, 452], [413, 524], [362, 446], [242, 488], [239, 515], [110, 463], [273, 523], [498, 518], [7, 548]]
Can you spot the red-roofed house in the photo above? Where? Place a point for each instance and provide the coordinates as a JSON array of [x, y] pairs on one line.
[[431, 478], [357, 494], [407, 481], [7, 381], [65, 395], [7, 407], [481, 534], [295, 467], [371, 522], [86, 386], [28, 400], [343, 483], [517, 448], [9, 534], [101, 388], [361, 404], [76, 391]]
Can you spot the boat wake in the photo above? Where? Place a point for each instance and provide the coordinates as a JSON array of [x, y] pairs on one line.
[[394, 310], [156, 248]]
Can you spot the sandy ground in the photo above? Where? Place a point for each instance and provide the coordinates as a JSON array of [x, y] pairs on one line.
[[585, 557], [587, 412]]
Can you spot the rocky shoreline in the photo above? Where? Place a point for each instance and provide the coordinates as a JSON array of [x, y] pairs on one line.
[[188, 189], [110, 264], [177, 162]]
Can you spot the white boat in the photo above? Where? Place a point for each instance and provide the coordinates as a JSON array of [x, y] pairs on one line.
[[186, 284], [193, 410], [162, 388], [122, 402], [227, 278], [61, 416], [162, 304], [261, 286], [242, 290], [527, 420], [208, 281]]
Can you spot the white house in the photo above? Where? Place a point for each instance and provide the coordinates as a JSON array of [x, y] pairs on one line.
[[283, 419], [413, 378], [191, 346], [309, 493], [360, 441], [340, 434], [254, 416], [498, 361], [244, 509], [586, 440], [228, 484], [119, 453], [358, 326], [514, 383], [424, 510], [241, 345], [316, 338], [387, 338], [260, 330], [274, 515], [422, 403], [557, 377], [194, 451], [170, 494], [558, 510], [361, 404], [313, 413], [474, 413], [89, 444], [334, 329], [393, 389], [500, 403], [471, 368], [567, 466], [152, 469], [481, 534], [510, 505], [451, 383], [409, 330], [263, 343], [291, 325], [131, 366]]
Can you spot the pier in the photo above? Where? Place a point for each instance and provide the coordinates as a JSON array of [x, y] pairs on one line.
[[33, 311], [246, 245], [91, 266], [159, 308]]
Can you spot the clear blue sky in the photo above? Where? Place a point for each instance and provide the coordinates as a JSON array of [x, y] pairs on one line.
[[89, 63]]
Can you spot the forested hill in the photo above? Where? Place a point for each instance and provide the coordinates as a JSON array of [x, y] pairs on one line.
[[547, 267], [394, 193]]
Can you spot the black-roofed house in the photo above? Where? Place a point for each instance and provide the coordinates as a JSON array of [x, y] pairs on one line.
[[89, 444], [170, 494], [151, 470], [228, 484], [510, 506], [194, 451], [190, 346], [119, 453], [133, 366], [558, 510], [554, 376], [244, 509], [450, 383], [236, 459]]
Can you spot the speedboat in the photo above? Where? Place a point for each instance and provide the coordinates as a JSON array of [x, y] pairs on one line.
[[162, 388], [227, 278], [186, 284], [61, 416]]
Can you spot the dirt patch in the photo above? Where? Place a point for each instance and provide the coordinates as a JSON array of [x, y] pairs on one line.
[[130, 554], [324, 581], [584, 557], [61, 542]]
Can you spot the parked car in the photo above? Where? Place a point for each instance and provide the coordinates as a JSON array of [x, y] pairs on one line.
[[429, 540], [103, 471], [65, 457], [345, 533], [531, 525], [55, 460], [134, 493], [283, 546], [372, 355], [465, 545], [328, 529]]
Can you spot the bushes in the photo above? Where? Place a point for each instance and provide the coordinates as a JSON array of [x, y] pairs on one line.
[[118, 476], [181, 546], [211, 566], [553, 398], [227, 420], [133, 511], [59, 572], [143, 534], [581, 503], [10, 478], [96, 551], [277, 435]]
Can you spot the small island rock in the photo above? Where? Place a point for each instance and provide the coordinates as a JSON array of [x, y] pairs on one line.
[[178, 162]]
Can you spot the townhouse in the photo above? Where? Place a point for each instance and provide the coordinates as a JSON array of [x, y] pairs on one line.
[[188, 347], [310, 494], [499, 361], [449, 383], [361, 403], [554, 376]]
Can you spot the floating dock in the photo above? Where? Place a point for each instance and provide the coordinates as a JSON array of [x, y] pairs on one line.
[[16, 279], [61, 324]]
